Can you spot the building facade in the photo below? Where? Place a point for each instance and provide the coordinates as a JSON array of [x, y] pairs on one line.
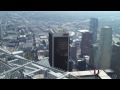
[[73, 52], [1, 32], [94, 28], [86, 43], [93, 56], [104, 48], [59, 49], [115, 62]]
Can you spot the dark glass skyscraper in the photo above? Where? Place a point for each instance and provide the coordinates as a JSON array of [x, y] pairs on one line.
[[86, 43], [59, 49], [94, 28]]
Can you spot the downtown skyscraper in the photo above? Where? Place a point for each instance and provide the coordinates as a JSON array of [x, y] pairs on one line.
[[59, 49], [94, 28], [1, 32], [103, 60], [86, 43]]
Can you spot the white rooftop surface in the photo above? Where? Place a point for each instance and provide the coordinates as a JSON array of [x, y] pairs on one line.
[[80, 37], [43, 37], [83, 30], [71, 33], [56, 74], [76, 40], [106, 27], [39, 76], [82, 73], [17, 52], [102, 74], [41, 51], [79, 60], [22, 35], [19, 57]]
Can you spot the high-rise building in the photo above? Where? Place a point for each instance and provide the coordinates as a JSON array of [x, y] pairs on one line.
[[1, 32], [73, 52], [94, 28], [115, 59], [86, 43], [93, 56], [59, 49], [104, 48]]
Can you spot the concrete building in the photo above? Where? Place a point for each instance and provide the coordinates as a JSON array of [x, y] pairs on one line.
[[1, 32], [94, 28], [115, 59], [104, 48], [93, 56]]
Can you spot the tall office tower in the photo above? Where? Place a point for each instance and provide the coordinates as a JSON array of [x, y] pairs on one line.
[[93, 56], [115, 60], [104, 48], [86, 43], [73, 52], [1, 32], [59, 49], [94, 28]]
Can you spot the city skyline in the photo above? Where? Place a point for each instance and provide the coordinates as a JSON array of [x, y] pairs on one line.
[[58, 44]]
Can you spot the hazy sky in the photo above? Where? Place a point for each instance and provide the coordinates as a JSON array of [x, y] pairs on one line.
[[99, 13], [75, 13]]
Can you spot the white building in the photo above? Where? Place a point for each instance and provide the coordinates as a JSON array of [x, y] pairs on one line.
[[104, 49]]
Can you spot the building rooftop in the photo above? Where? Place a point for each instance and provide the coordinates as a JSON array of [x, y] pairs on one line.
[[17, 52], [76, 40], [22, 35], [58, 30], [43, 37], [101, 75], [71, 33], [94, 18], [83, 30], [106, 27], [38, 76], [21, 68]]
